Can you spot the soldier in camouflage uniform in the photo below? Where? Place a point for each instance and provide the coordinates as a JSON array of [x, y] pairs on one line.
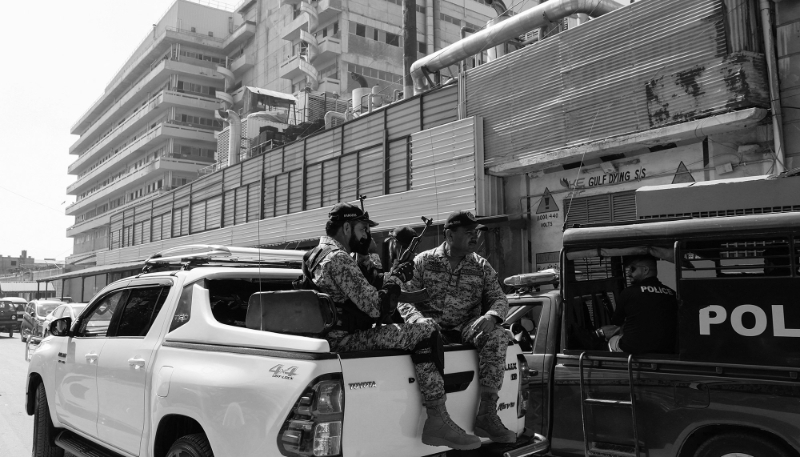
[[466, 301], [360, 305]]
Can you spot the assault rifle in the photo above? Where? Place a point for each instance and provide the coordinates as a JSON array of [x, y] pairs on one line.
[[407, 256]]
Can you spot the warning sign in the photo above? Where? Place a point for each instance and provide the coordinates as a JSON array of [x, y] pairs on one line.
[[682, 174], [547, 204]]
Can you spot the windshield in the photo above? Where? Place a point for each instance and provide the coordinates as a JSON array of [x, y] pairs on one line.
[[77, 309], [45, 309]]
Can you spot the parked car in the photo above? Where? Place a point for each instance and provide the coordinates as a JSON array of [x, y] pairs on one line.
[[35, 313], [71, 310], [19, 303], [9, 322]]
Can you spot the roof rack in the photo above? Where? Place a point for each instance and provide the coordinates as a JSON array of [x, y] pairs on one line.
[[190, 256]]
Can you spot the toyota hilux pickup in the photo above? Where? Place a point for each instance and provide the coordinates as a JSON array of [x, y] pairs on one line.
[[221, 357]]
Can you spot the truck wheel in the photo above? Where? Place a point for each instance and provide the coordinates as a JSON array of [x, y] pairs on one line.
[[44, 432], [739, 445], [191, 446]]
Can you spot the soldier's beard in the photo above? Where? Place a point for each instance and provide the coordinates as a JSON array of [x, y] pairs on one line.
[[360, 246]]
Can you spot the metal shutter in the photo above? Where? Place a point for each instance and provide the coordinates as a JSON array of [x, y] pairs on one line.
[[213, 212], [599, 209], [241, 205], [313, 186], [198, 217], [230, 208], [269, 197], [296, 191], [253, 202], [349, 177], [370, 172], [398, 166], [281, 194], [330, 182]]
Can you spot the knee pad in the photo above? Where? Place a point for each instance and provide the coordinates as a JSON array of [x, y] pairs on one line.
[[435, 353]]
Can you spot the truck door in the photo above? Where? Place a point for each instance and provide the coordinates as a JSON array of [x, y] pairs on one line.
[[76, 370], [123, 365]]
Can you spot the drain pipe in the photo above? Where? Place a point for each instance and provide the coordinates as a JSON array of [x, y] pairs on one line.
[[774, 88], [511, 28], [234, 134]]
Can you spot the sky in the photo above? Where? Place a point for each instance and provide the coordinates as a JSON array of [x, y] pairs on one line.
[[59, 57]]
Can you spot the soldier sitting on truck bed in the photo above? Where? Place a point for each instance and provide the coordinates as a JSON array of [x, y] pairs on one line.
[[360, 305], [646, 318]]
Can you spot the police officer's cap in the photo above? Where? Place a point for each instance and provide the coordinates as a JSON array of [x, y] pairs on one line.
[[466, 219], [345, 212]]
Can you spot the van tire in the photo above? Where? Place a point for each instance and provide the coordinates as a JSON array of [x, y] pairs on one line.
[[191, 446], [741, 443], [44, 432]]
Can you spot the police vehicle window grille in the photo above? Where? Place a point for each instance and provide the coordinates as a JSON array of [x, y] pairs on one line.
[[736, 258], [591, 268]]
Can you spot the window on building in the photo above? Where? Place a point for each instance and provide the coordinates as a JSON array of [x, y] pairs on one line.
[[375, 34], [421, 47], [392, 39], [210, 33], [193, 29], [335, 28], [361, 30]]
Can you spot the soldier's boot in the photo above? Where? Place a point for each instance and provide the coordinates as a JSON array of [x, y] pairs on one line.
[[440, 430], [488, 423]]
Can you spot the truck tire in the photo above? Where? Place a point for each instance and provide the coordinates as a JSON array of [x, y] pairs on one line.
[[740, 445], [191, 446], [44, 432]]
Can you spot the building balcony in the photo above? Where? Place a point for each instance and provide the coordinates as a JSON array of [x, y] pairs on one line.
[[93, 223], [327, 50], [292, 31], [295, 67], [239, 36], [330, 85], [242, 63], [139, 64], [328, 10], [155, 79], [157, 105], [132, 180]]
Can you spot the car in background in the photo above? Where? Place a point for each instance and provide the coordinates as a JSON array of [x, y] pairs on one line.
[[71, 310], [8, 318], [35, 313], [19, 303]]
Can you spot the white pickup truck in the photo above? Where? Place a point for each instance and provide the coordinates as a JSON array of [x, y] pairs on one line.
[[220, 357]]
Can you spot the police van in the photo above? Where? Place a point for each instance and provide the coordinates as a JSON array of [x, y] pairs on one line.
[[730, 387]]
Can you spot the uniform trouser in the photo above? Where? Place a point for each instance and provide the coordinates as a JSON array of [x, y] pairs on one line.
[[399, 336], [492, 349]]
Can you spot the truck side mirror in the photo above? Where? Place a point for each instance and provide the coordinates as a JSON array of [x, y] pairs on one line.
[[60, 327]]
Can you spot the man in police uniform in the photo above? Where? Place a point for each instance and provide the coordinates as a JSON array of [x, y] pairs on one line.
[[466, 299], [646, 318], [359, 305]]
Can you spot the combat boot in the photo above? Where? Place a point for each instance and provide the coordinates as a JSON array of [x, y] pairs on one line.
[[488, 423], [440, 430]]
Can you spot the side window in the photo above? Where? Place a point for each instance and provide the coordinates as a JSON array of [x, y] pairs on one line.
[[736, 258], [184, 310], [58, 312], [140, 310], [98, 321]]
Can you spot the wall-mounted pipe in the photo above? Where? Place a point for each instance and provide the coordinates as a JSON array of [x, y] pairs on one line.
[[511, 28], [234, 134], [774, 88]]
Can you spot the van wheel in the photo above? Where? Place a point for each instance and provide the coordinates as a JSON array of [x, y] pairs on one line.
[[739, 445], [191, 446], [44, 432]]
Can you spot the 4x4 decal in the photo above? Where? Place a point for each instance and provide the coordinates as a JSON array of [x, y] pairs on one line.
[[284, 373]]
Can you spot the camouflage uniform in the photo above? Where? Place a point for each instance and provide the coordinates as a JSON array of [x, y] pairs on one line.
[[457, 299], [338, 275]]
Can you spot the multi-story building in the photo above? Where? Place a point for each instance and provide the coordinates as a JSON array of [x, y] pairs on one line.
[[154, 128]]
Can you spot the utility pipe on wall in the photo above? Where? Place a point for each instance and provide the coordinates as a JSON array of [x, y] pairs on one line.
[[234, 134], [513, 27], [774, 87]]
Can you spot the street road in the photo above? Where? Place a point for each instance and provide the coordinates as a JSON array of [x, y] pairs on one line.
[[16, 427]]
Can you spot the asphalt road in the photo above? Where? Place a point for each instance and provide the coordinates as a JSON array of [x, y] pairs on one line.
[[16, 427]]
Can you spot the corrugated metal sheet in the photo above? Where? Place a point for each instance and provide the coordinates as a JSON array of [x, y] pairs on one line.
[[330, 182], [213, 212], [741, 20], [295, 191], [156, 234], [364, 132], [253, 202], [185, 218], [324, 145], [251, 170], [230, 208], [146, 236], [198, 217], [435, 155], [349, 177], [314, 186], [165, 199], [137, 233], [162, 208], [273, 162], [269, 197], [232, 177], [181, 192], [370, 172], [440, 107], [403, 119], [398, 157], [293, 156], [589, 82], [241, 205], [143, 212], [207, 187]]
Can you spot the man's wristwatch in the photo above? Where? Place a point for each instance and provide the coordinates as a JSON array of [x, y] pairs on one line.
[[600, 333]]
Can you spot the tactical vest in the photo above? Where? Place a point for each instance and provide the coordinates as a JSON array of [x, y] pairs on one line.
[[349, 317]]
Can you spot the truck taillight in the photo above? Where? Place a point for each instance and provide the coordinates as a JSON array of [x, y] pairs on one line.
[[524, 381], [314, 426]]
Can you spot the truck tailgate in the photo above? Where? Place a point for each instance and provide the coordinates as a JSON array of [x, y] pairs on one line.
[[383, 405]]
